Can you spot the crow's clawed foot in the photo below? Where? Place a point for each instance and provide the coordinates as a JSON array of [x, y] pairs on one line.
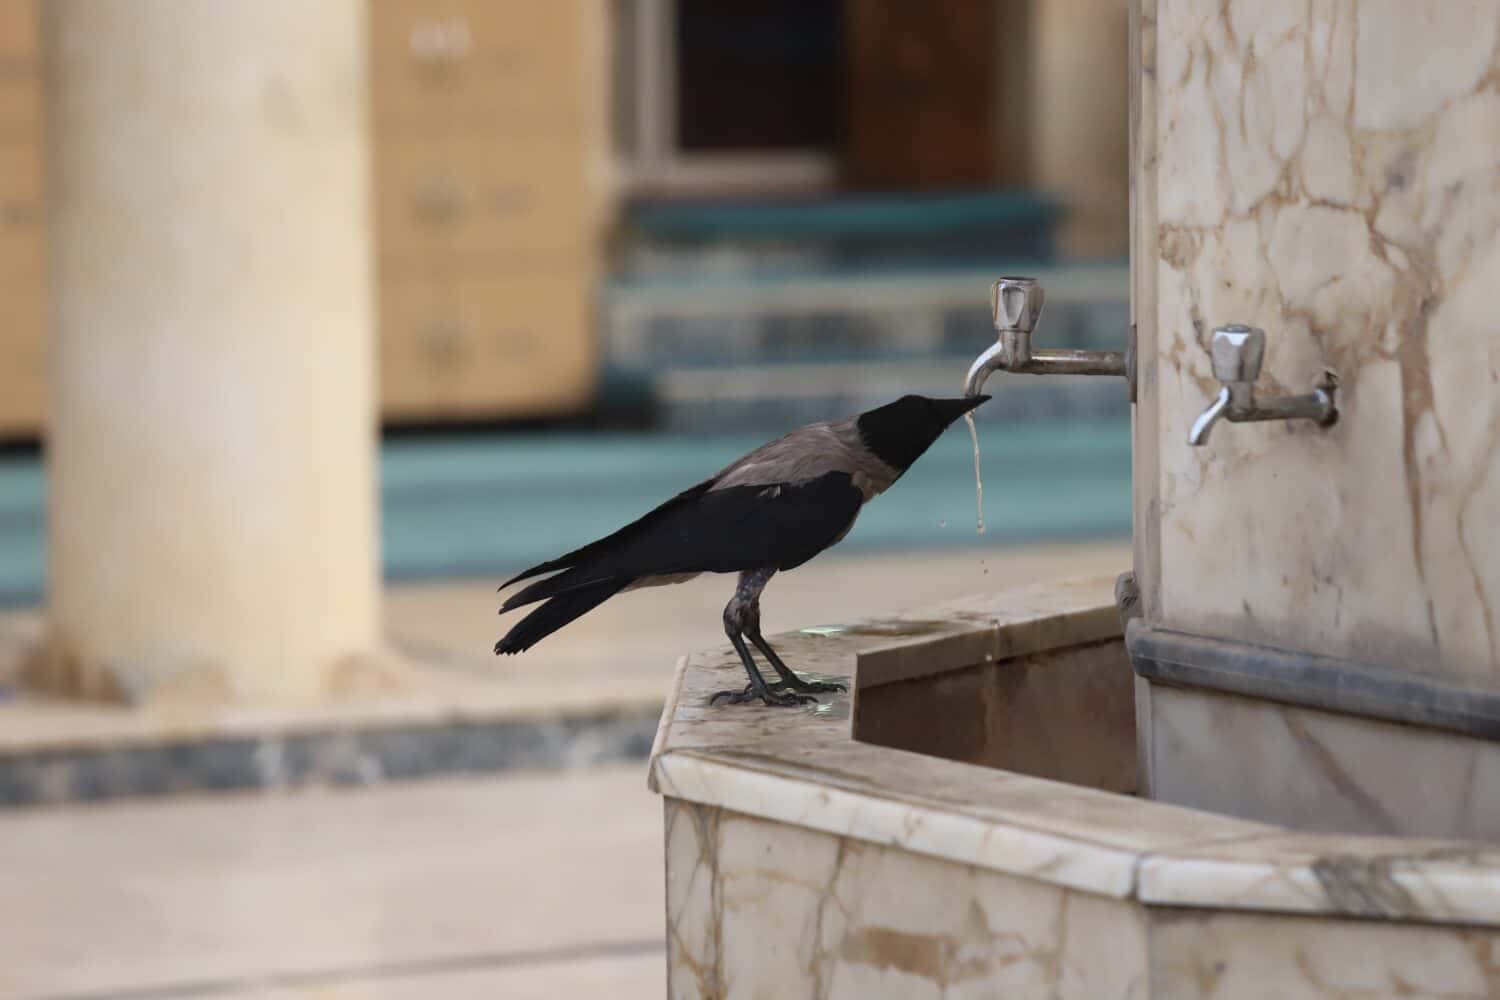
[[813, 687], [769, 696]]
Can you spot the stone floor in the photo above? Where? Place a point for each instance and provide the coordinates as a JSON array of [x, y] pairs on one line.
[[510, 886]]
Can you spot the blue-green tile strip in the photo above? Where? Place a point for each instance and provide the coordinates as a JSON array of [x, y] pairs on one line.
[[458, 506]]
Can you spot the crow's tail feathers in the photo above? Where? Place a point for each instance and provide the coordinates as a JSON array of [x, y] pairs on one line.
[[557, 612], [562, 562], [610, 543], [557, 585]]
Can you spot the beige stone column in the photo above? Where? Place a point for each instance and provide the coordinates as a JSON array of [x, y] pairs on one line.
[[1080, 125], [211, 448]]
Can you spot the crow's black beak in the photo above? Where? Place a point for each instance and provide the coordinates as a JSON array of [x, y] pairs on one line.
[[952, 409]]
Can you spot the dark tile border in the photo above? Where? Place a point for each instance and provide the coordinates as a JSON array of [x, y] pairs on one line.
[[1468, 706], [336, 756]]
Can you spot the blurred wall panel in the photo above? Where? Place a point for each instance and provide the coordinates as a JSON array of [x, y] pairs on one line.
[[921, 94], [1080, 138], [1009, 93], [23, 264], [490, 151]]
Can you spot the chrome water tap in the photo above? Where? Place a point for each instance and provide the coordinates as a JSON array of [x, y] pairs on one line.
[[1016, 304], [1236, 353]]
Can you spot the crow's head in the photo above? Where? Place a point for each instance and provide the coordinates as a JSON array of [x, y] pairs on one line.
[[898, 433]]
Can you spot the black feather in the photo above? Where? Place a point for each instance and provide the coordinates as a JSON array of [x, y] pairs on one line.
[[595, 548], [777, 526], [553, 615]]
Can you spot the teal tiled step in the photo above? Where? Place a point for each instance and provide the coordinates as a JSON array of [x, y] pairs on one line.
[[485, 505], [882, 215]]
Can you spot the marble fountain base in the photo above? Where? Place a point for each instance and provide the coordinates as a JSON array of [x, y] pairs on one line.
[[964, 824]]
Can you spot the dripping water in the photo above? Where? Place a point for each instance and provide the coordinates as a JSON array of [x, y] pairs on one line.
[[978, 479]]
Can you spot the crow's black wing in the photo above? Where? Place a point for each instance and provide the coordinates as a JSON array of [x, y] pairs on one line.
[[774, 526], [780, 526]]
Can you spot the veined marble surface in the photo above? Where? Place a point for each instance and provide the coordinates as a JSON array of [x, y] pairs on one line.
[[1208, 955], [1313, 770], [765, 909], [770, 910], [1330, 171], [800, 768]]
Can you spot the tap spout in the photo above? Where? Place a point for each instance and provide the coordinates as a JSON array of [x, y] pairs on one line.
[[983, 366], [1206, 420]]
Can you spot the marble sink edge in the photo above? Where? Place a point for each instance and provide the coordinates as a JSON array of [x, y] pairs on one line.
[[802, 767]]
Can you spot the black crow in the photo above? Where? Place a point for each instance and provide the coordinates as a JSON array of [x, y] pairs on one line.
[[772, 510]]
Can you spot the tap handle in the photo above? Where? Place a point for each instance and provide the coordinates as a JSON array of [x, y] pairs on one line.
[[1236, 353], [1016, 303]]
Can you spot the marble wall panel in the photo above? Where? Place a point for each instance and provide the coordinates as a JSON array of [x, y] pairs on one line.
[[1307, 769], [1328, 170]]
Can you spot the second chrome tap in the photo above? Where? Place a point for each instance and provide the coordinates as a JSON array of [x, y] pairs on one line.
[[1236, 353]]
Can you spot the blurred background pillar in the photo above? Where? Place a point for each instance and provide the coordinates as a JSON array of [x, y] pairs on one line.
[[1080, 119], [212, 439]]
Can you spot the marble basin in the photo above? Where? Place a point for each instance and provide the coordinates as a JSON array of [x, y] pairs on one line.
[[964, 824]]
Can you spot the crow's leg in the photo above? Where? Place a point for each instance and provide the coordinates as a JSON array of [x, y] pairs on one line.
[[788, 678], [757, 689], [744, 607], [751, 626]]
